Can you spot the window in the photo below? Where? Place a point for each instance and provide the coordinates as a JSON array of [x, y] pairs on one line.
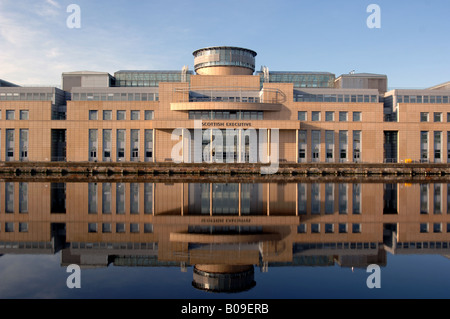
[[315, 228], [438, 117], [10, 115], [107, 115], [301, 229], [148, 228], [423, 116], [93, 115], [24, 115], [343, 116], [121, 115], [302, 116], [135, 115], [134, 228], [149, 115], [329, 228], [342, 228], [106, 228], [23, 227], [92, 227], [9, 227], [356, 228], [356, 116], [437, 228], [120, 228], [424, 228], [448, 117], [329, 116], [315, 116]]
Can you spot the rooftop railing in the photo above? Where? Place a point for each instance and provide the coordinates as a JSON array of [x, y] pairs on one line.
[[230, 94]]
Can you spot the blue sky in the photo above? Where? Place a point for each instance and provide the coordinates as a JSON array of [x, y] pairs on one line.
[[411, 47]]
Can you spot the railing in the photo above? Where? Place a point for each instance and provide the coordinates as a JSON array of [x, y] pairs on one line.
[[230, 94]]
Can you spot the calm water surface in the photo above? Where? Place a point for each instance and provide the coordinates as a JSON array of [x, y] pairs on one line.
[[224, 240]]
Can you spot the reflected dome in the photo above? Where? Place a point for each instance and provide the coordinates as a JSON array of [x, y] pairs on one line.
[[224, 278]]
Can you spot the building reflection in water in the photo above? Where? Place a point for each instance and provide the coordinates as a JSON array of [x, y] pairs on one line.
[[224, 230]]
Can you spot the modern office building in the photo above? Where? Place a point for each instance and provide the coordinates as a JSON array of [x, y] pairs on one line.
[[243, 115]]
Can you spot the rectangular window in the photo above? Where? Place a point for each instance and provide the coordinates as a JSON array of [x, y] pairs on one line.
[[149, 115], [329, 198], [93, 145], [356, 199], [423, 116], [148, 198], [437, 147], [356, 146], [301, 229], [9, 198], [93, 115], [424, 146], [148, 144], [302, 116], [24, 115], [23, 227], [106, 198], [23, 146], [424, 228], [23, 198], [120, 228], [10, 115], [423, 198], [343, 228], [120, 198], [120, 145], [106, 228], [437, 116], [315, 198], [134, 145], [9, 147], [148, 228], [315, 228], [315, 146], [437, 200], [121, 115], [356, 116], [134, 198], [343, 199], [329, 116], [302, 146], [329, 146], [302, 199], [107, 115], [107, 145], [356, 228], [135, 115], [343, 116], [315, 116], [92, 198], [343, 144]]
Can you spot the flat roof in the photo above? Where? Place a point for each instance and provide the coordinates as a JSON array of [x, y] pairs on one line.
[[224, 47]]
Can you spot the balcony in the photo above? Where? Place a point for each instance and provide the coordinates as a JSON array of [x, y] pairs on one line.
[[190, 99]]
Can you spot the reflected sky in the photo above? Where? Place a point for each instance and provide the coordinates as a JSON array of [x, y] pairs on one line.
[[224, 240]]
